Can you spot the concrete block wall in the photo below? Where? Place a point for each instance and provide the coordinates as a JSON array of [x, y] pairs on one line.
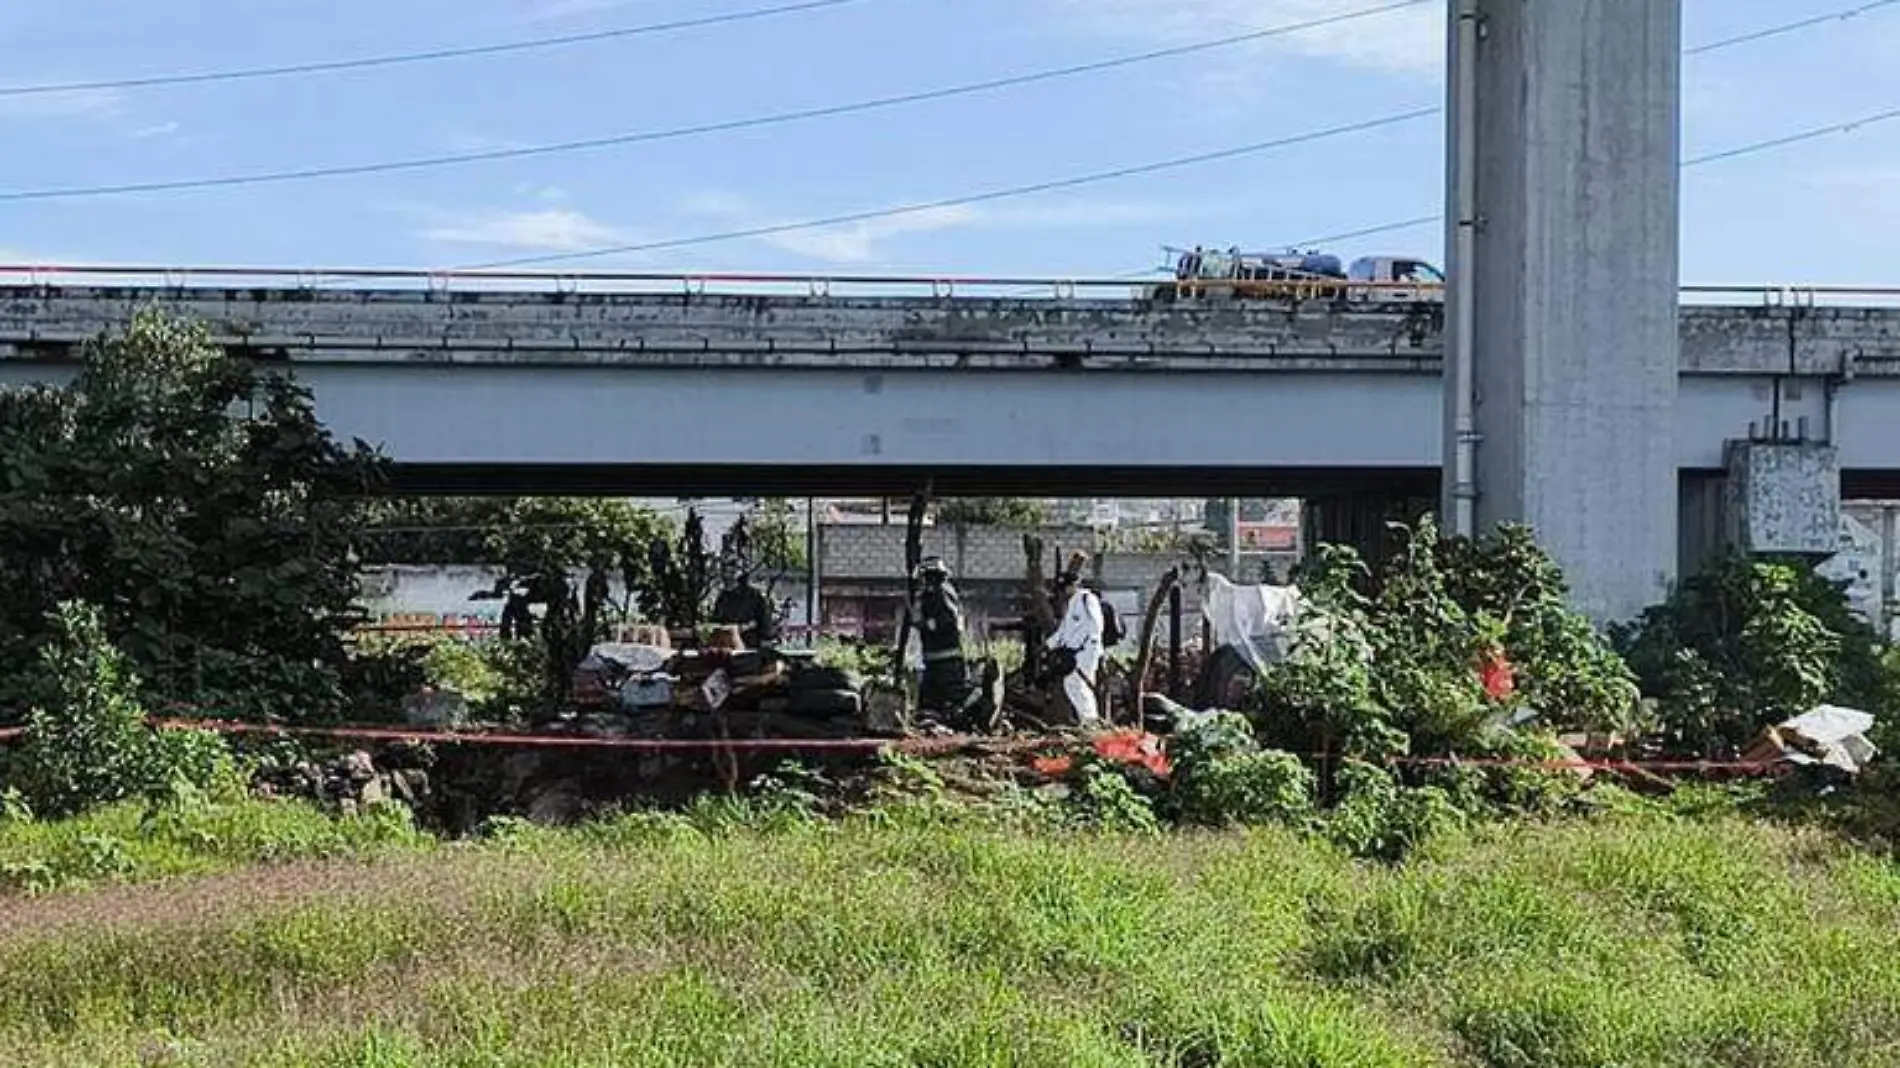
[[876, 550]]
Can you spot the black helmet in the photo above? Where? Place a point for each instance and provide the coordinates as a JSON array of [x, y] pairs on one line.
[[933, 565]]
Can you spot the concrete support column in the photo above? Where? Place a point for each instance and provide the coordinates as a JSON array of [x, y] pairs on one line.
[[1573, 280]]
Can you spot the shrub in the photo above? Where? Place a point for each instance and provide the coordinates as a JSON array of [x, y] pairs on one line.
[[1378, 819], [87, 743], [1104, 799], [1391, 663], [1748, 643], [195, 498], [1566, 670], [1221, 776]]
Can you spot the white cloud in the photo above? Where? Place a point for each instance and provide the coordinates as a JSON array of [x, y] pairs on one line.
[[716, 203], [863, 241], [858, 242], [554, 230], [567, 9], [75, 104], [163, 129], [547, 194], [1408, 41]]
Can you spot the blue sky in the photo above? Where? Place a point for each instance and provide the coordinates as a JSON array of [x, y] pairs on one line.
[[1827, 211]]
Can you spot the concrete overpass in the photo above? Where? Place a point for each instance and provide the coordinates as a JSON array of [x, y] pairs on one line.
[[774, 385]]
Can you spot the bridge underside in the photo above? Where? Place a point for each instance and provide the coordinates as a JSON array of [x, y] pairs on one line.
[[802, 480]]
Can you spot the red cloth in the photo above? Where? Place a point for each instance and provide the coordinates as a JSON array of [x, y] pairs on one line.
[[1496, 674]]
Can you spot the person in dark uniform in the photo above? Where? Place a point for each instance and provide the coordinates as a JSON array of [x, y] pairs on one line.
[[946, 681], [741, 604]]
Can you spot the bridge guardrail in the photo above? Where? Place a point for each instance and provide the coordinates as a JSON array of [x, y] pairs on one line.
[[842, 286]]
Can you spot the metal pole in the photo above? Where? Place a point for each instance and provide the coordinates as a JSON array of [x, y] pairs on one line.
[[1889, 562], [1174, 642], [1461, 186], [1233, 539], [813, 550]]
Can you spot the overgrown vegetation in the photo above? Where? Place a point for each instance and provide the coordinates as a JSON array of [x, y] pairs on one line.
[[87, 740], [1747, 644], [180, 528], [196, 500], [1452, 647]]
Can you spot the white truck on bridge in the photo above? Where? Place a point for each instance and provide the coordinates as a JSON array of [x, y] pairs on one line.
[[1200, 272]]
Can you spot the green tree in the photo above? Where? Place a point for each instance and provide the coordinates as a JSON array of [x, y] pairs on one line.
[[774, 539], [197, 500], [557, 554]]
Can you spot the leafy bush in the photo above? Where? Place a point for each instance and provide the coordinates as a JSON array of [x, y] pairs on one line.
[[1379, 819], [1749, 643], [1220, 776], [870, 660], [1104, 799], [197, 500], [1566, 670], [87, 742], [1508, 781], [1390, 663]]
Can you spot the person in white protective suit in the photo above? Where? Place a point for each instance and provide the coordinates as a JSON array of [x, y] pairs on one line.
[[1079, 633]]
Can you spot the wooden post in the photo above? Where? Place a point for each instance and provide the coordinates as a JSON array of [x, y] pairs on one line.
[[1166, 589], [1174, 641]]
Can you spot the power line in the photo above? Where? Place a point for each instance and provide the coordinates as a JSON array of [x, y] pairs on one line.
[[1090, 179], [1752, 148], [1789, 27], [967, 200], [680, 132], [429, 56], [1146, 168], [639, 137]]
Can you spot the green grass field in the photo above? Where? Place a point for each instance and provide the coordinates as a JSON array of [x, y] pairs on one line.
[[1634, 940]]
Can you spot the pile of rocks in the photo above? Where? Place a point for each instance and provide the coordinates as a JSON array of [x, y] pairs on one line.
[[350, 783]]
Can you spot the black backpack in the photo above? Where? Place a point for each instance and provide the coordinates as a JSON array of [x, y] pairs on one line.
[[1112, 633]]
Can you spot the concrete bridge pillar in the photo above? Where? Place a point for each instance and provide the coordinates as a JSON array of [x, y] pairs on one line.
[[1569, 267]]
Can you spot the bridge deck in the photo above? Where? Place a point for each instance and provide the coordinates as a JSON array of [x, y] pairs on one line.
[[653, 329]]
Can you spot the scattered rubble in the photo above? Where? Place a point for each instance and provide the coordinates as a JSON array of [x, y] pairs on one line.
[[353, 782]]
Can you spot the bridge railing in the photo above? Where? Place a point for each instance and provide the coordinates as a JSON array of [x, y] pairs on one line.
[[1160, 289]]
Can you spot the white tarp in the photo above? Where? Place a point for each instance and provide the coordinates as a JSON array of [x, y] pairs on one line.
[[1261, 621], [1837, 735]]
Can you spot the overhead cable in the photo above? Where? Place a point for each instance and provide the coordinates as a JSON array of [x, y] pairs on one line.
[[1146, 168], [697, 130], [428, 56], [777, 118], [1789, 27], [1005, 193], [1749, 149]]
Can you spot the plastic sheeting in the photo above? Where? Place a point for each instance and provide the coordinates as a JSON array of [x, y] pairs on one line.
[[1260, 621], [1840, 735]]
